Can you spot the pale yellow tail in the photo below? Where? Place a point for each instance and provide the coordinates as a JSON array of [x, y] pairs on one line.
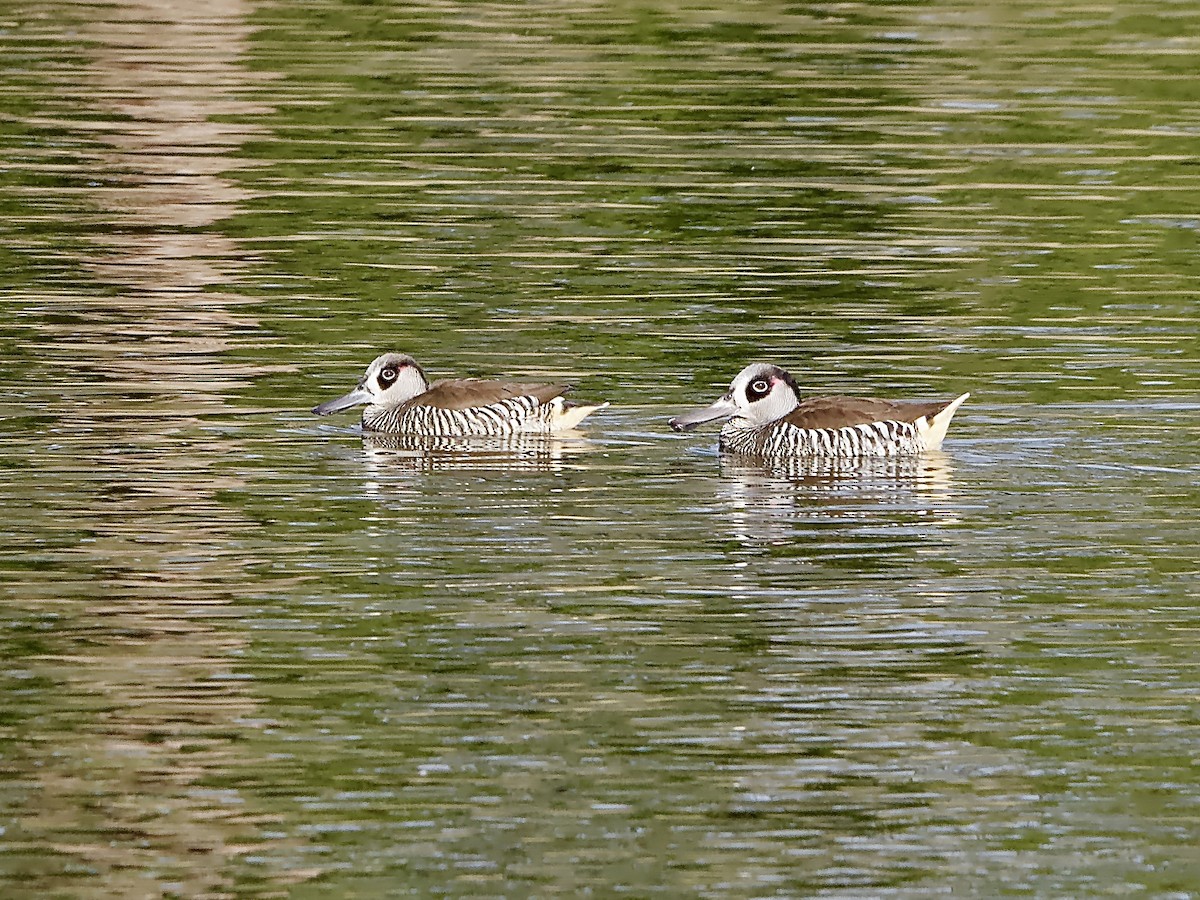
[[567, 416], [933, 431]]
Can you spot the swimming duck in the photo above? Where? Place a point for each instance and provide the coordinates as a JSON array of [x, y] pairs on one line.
[[767, 417], [400, 400]]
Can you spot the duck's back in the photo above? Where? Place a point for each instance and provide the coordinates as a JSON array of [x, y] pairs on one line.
[[845, 412], [467, 393]]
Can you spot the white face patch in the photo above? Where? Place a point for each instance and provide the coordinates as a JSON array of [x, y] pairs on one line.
[[762, 394], [392, 379]]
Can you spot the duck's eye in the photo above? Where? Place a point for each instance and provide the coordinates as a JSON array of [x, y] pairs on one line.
[[387, 376], [760, 388]]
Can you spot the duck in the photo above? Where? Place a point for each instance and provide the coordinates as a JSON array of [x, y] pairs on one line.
[[400, 400], [767, 417]]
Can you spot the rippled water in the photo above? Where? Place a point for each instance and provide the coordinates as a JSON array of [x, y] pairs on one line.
[[249, 653]]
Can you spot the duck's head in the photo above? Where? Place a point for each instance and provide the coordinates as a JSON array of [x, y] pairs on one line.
[[390, 380], [760, 393]]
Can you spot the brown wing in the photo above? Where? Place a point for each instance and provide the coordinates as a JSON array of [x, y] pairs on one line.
[[464, 393], [840, 412]]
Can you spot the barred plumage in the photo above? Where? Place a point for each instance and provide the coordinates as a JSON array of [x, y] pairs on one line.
[[781, 439], [519, 415]]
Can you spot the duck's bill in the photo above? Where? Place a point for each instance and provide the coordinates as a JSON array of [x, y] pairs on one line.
[[722, 409], [354, 398]]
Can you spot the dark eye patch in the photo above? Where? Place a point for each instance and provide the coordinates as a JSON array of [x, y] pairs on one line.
[[758, 389], [387, 377]]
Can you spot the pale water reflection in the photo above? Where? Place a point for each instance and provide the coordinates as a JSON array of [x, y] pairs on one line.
[[147, 679]]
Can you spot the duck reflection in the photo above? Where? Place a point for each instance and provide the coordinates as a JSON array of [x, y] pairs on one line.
[[774, 499], [510, 453]]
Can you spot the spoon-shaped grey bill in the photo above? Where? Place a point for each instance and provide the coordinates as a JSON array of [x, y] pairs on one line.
[[722, 409], [359, 395]]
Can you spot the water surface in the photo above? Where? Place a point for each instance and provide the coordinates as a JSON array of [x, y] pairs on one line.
[[250, 653]]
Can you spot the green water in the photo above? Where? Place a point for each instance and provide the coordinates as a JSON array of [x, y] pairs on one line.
[[247, 654]]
